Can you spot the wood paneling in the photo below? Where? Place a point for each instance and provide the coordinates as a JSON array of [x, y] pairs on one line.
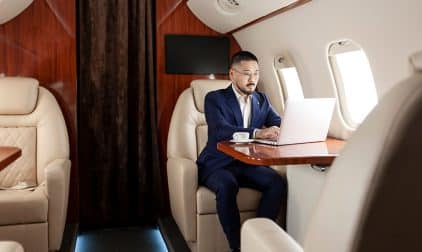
[[40, 43], [174, 17]]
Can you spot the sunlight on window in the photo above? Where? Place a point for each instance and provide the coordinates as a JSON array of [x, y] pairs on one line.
[[358, 84], [354, 81], [291, 82]]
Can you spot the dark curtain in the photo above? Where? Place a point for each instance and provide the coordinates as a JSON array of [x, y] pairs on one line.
[[121, 181]]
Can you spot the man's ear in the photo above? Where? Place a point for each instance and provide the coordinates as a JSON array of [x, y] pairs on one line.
[[231, 72]]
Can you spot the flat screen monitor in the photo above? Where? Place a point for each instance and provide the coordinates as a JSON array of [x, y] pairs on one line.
[[187, 54]]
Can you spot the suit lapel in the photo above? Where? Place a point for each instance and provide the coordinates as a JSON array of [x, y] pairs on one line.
[[255, 110], [234, 106]]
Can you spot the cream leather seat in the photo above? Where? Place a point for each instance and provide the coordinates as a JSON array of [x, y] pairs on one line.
[[10, 246], [371, 200], [34, 194], [192, 206]]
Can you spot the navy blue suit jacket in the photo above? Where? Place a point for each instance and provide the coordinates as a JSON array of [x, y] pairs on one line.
[[223, 115]]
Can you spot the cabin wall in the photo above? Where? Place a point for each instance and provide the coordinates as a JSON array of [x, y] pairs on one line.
[[174, 17], [388, 31], [41, 43]]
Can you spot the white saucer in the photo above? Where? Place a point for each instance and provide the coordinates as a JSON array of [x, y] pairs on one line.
[[242, 140]]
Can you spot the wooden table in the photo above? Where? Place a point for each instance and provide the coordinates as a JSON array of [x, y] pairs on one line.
[[318, 153], [8, 155]]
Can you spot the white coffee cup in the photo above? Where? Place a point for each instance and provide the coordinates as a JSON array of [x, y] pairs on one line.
[[240, 136]]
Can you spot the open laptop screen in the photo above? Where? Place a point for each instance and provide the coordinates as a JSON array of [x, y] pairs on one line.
[[305, 120]]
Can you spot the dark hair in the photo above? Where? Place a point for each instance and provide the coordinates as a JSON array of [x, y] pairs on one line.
[[242, 56]]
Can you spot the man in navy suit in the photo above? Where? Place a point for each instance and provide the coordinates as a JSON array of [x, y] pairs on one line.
[[239, 108]]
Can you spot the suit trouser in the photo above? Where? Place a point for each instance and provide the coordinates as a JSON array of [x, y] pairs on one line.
[[225, 184]]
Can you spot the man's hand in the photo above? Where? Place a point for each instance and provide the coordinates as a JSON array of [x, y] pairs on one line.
[[270, 133]]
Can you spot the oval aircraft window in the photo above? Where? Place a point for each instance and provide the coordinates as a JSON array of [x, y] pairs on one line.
[[354, 81], [289, 78]]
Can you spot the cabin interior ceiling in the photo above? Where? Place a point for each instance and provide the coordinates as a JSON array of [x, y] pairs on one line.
[[11, 8], [388, 31], [226, 17]]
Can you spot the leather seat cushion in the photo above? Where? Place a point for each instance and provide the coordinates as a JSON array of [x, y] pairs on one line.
[[23, 206], [201, 88], [22, 172], [18, 95], [10, 246], [247, 200]]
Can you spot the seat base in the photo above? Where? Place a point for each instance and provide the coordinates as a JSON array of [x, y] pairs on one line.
[[23, 206], [33, 237], [210, 234]]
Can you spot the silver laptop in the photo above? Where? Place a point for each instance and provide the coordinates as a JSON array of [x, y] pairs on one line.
[[304, 121]]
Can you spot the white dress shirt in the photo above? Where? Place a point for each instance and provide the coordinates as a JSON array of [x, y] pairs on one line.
[[245, 103]]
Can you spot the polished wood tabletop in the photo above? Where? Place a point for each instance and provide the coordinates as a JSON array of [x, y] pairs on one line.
[[319, 153], [8, 155]]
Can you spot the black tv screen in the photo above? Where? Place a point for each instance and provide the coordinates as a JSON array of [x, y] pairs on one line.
[[187, 54]]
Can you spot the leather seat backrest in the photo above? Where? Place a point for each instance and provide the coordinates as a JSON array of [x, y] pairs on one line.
[[372, 197], [31, 119], [188, 129]]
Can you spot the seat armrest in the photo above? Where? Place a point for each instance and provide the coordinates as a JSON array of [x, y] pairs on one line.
[[182, 176], [57, 180], [264, 235]]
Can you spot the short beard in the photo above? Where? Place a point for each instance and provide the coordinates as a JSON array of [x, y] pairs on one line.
[[247, 92]]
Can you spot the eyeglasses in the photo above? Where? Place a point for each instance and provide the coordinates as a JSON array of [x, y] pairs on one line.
[[246, 74]]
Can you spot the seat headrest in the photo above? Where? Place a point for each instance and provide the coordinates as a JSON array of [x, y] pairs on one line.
[[416, 60], [202, 87], [18, 95]]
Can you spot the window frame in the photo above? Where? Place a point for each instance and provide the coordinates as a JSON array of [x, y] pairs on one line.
[[335, 48], [282, 62]]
